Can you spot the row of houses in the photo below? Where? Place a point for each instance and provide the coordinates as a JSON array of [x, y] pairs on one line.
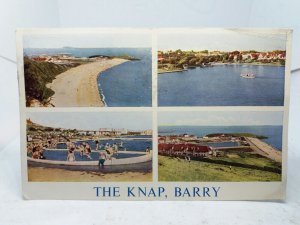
[[243, 55], [194, 150], [64, 59], [177, 138]]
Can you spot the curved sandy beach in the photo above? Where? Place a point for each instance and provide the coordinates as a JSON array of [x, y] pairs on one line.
[[78, 86]]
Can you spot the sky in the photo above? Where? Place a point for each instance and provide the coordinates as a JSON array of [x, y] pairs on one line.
[[222, 40], [195, 39], [81, 40], [219, 118], [93, 120]]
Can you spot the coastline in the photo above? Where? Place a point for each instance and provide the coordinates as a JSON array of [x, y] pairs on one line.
[[78, 86], [162, 71], [254, 64]]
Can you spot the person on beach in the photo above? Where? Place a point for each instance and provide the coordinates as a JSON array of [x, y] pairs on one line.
[[148, 150], [102, 158], [109, 151], [81, 150], [35, 152], [41, 152], [88, 151], [97, 144], [29, 149], [115, 148], [71, 151], [68, 143], [71, 155], [102, 154]]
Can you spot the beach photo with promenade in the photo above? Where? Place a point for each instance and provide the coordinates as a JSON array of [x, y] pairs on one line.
[[221, 67], [237, 146], [89, 146], [87, 70]]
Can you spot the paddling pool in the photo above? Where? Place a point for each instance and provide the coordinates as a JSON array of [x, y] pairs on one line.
[[121, 161], [61, 155], [129, 144]]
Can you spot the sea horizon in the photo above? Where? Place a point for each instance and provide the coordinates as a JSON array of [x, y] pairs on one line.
[[272, 132]]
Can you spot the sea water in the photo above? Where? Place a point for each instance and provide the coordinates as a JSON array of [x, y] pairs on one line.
[[128, 84], [222, 85], [273, 133]]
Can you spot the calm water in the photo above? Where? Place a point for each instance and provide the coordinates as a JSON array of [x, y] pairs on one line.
[[222, 86], [128, 84], [223, 144], [274, 133], [61, 155], [130, 145]]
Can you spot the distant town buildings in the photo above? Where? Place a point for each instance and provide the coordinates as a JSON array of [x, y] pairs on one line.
[[36, 132], [64, 58]]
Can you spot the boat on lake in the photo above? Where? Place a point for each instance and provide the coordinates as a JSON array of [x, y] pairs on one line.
[[248, 75]]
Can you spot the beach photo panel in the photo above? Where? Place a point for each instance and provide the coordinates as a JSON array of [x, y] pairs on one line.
[[88, 147], [221, 67], [222, 146], [87, 69]]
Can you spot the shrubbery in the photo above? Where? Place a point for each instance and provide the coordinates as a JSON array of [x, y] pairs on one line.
[[37, 75]]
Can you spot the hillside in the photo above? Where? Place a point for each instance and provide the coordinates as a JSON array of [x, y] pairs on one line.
[[172, 169], [37, 75]]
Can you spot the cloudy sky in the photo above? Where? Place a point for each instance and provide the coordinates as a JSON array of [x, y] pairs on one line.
[[223, 40], [219, 118], [93, 120]]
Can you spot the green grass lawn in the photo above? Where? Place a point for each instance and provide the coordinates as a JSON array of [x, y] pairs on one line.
[[172, 169], [249, 159]]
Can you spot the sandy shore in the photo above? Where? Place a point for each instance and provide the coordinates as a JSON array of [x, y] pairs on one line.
[[39, 174], [265, 149], [78, 86]]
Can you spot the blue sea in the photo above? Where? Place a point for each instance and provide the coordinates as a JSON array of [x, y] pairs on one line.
[[222, 85], [273, 133], [128, 84]]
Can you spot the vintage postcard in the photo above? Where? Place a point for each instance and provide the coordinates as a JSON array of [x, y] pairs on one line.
[[90, 146], [154, 114], [221, 68], [220, 146], [87, 70]]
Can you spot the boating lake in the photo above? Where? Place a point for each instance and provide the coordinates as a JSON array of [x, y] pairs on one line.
[[222, 85], [274, 133]]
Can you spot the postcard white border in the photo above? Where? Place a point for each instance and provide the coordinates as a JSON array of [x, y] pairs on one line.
[[71, 190]]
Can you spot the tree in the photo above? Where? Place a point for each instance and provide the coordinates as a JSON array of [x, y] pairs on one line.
[[282, 62], [193, 61]]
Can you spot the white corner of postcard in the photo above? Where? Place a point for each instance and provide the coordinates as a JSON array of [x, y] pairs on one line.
[[154, 114]]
